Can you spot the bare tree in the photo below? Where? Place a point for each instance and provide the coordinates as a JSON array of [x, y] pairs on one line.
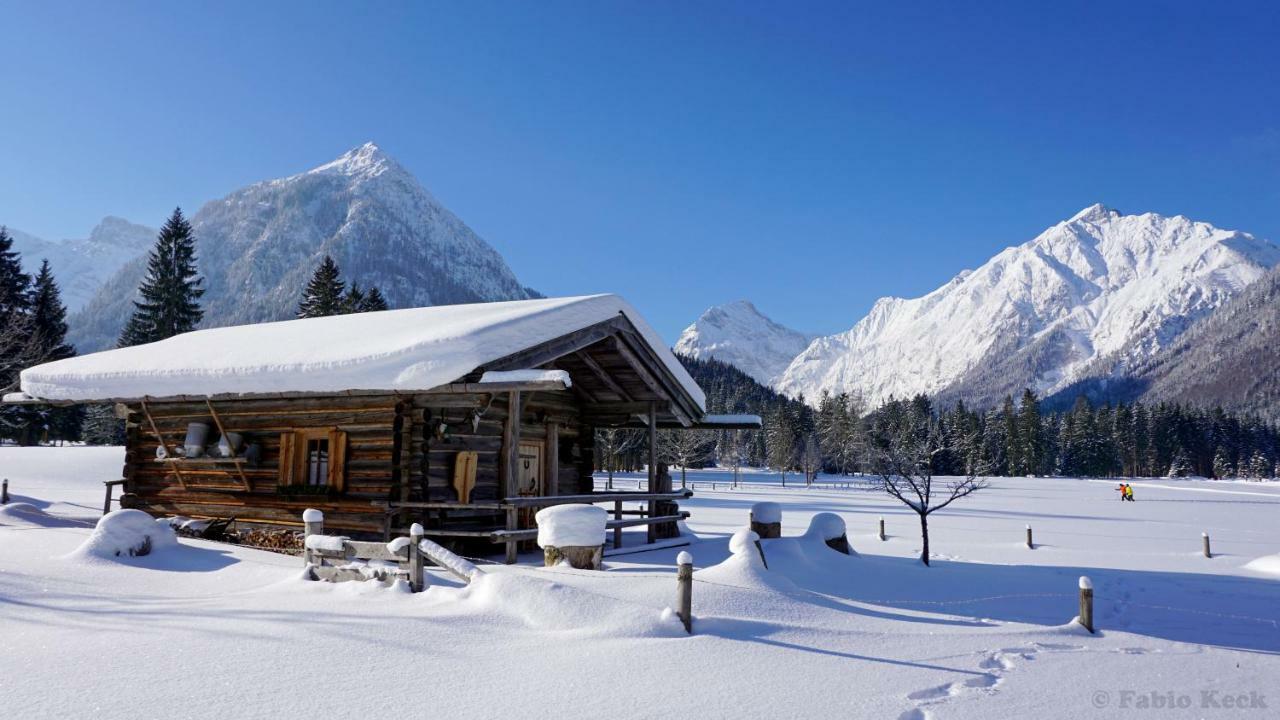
[[810, 459], [613, 443], [732, 452], [901, 453], [684, 447]]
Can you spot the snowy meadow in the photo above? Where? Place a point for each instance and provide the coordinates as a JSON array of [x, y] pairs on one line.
[[205, 629]]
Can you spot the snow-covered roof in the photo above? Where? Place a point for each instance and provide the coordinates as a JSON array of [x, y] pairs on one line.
[[393, 350]]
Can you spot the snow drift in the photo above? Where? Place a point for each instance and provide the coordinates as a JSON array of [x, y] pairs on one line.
[[127, 533]]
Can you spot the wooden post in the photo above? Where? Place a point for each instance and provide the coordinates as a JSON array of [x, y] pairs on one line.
[[617, 532], [313, 524], [106, 504], [684, 590], [513, 521], [511, 463], [882, 528], [653, 464], [1086, 603], [416, 533], [1205, 537], [1030, 544], [4, 492]]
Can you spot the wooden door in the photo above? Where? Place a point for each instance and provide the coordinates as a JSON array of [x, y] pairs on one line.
[[531, 480]]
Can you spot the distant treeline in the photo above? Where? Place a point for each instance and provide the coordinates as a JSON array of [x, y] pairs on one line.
[[1015, 438]]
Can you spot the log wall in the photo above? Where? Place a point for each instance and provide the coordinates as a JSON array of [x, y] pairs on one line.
[[393, 453]]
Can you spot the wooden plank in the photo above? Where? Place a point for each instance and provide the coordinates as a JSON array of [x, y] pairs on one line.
[[357, 549], [222, 433], [585, 358]]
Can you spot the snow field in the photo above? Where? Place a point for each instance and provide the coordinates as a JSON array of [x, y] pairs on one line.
[[206, 629]]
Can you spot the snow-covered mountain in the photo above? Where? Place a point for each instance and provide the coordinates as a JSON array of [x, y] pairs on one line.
[[258, 246], [81, 267], [1039, 314], [739, 334]]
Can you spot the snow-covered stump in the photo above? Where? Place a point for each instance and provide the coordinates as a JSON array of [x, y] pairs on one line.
[[766, 520], [312, 524], [573, 534], [743, 541], [1086, 603], [684, 589], [830, 528], [1205, 538], [1030, 545], [881, 529]]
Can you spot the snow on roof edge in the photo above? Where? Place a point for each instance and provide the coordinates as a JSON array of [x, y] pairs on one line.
[[395, 350]]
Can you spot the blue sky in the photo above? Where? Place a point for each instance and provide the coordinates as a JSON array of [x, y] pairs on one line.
[[808, 156]]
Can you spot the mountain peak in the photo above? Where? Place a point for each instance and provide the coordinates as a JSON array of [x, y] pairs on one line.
[[741, 335], [1094, 213], [368, 160]]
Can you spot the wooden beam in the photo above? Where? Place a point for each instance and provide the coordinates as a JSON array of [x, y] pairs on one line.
[[160, 439], [651, 381], [511, 461], [222, 432], [600, 373], [553, 350]]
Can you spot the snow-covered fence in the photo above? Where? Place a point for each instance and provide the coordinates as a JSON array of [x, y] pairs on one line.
[[320, 549]]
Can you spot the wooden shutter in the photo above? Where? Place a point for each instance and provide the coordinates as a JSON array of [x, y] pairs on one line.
[[288, 470], [337, 460]]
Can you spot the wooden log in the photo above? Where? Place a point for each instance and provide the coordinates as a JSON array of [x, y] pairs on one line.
[[581, 557], [1030, 545], [1086, 603], [617, 529], [1205, 537], [684, 590], [882, 528], [513, 524]]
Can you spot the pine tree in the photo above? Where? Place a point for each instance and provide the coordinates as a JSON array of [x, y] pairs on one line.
[[171, 291], [324, 294], [354, 300], [1030, 434], [49, 331], [373, 301], [14, 284]]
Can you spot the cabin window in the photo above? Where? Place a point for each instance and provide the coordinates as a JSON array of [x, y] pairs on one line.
[[318, 461], [313, 460]]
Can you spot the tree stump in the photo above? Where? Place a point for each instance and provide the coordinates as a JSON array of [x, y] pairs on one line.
[[580, 556], [766, 520]]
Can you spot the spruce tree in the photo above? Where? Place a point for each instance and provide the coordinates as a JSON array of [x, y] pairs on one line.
[[353, 301], [171, 292], [373, 301], [324, 294], [49, 331], [14, 284]]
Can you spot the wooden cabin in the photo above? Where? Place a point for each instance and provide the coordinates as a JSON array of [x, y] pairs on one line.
[[464, 418]]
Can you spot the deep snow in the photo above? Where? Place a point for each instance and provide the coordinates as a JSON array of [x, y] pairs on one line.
[[210, 630]]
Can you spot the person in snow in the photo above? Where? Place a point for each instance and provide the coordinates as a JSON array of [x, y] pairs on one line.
[[1124, 491], [1128, 493]]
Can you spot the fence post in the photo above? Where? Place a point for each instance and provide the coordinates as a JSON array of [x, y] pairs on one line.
[[882, 528], [312, 524], [1030, 545], [684, 589], [617, 532], [513, 523], [1205, 536], [4, 492], [416, 533], [1086, 603]]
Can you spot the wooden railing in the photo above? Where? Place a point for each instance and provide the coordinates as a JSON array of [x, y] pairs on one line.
[[512, 534]]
